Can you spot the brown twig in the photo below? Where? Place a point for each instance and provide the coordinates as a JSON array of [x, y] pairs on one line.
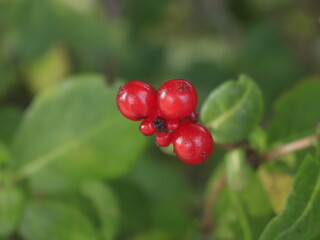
[[290, 147], [207, 223]]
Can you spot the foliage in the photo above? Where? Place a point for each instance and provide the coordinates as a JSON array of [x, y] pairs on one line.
[[301, 208], [234, 102], [71, 167]]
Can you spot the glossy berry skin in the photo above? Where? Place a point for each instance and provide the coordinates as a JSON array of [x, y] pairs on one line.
[[147, 127], [164, 139], [192, 143], [177, 99], [172, 124], [192, 118], [137, 100]]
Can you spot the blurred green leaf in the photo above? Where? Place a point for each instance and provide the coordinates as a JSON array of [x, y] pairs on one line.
[[5, 155], [10, 118], [205, 75], [36, 27], [11, 206], [301, 217], [168, 150], [88, 37], [241, 214], [106, 206], [153, 12], [233, 110], [258, 139], [7, 79], [277, 185], [246, 232], [231, 218], [154, 235], [294, 112], [53, 220], [267, 58], [257, 203], [48, 69], [82, 6], [135, 207], [167, 190], [75, 132], [239, 173]]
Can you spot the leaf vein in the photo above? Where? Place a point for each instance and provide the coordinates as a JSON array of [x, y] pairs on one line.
[[216, 123]]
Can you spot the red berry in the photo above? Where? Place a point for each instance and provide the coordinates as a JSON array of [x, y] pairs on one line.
[[164, 139], [192, 118], [192, 143], [172, 124], [137, 100], [177, 99], [147, 127]]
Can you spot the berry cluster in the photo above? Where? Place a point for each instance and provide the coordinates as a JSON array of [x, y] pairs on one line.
[[170, 113]]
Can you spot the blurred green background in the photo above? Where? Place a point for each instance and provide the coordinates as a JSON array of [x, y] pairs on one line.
[[85, 172]]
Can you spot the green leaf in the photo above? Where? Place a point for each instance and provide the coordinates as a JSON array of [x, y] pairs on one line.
[[257, 203], [241, 215], [11, 206], [233, 110], [92, 43], [133, 202], [231, 217], [277, 185], [239, 173], [36, 27], [7, 78], [169, 195], [9, 120], [53, 220], [74, 132], [301, 217], [258, 139], [294, 113], [168, 150], [5, 155], [106, 206], [48, 69], [154, 235], [265, 57]]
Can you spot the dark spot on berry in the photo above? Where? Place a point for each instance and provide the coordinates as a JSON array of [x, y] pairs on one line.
[[183, 87], [204, 154], [160, 125]]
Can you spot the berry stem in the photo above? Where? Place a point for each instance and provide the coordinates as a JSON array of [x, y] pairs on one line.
[[290, 147]]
